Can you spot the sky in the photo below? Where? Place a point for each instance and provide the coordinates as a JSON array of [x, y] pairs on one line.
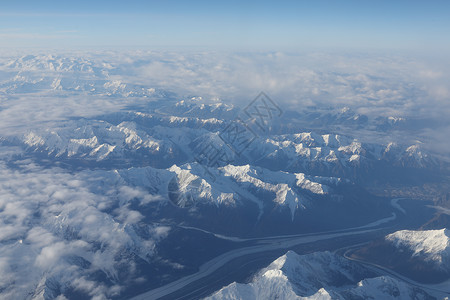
[[238, 25]]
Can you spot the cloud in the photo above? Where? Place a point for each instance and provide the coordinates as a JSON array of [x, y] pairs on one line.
[[385, 83], [51, 221], [42, 89], [128, 193], [292, 79]]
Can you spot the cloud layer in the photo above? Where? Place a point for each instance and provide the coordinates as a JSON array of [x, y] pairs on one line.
[[42, 89], [377, 83], [55, 230]]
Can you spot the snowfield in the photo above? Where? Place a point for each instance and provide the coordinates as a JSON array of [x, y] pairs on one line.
[[432, 245], [321, 275]]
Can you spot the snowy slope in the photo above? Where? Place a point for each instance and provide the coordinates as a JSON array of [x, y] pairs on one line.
[[97, 140], [232, 185], [185, 130], [320, 275], [431, 245], [37, 73]]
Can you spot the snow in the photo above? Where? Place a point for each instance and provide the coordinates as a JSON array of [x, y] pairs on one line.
[[326, 149], [320, 275], [433, 245], [284, 195], [83, 107], [232, 184], [315, 187], [94, 139]]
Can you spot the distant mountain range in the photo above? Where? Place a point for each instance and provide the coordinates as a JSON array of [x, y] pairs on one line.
[[112, 204], [320, 275]]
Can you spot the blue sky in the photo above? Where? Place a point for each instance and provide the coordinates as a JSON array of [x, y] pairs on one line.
[[281, 25]]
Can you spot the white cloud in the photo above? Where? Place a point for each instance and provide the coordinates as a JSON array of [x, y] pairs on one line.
[[380, 83], [48, 218]]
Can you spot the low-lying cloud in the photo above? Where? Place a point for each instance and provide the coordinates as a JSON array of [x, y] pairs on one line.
[[53, 228]]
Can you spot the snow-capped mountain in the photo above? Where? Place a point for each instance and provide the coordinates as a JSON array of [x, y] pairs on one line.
[[423, 255], [181, 138], [320, 275], [99, 140], [431, 245], [286, 147], [195, 107], [291, 179], [190, 184], [113, 183], [37, 73]]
